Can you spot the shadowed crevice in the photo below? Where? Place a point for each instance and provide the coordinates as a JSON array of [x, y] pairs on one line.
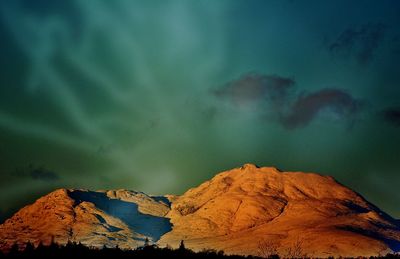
[[390, 242], [151, 226]]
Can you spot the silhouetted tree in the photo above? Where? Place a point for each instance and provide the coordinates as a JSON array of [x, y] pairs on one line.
[[268, 249], [53, 245], [75, 251], [40, 246], [182, 246], [146, 242], [296, 250], [69, 244], [29, 248], [14, 249]]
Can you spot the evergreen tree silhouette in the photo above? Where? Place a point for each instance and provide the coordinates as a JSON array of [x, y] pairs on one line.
[[29, 248], [146, 242], [14, 251], [182, 246]]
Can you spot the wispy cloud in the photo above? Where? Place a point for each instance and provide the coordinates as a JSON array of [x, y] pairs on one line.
[[255, 87], [360, 43], [39, 173]]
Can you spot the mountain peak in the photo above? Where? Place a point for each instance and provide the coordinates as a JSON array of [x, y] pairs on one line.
[[233, 211], [247, 204], [249, 166], [253, 167]]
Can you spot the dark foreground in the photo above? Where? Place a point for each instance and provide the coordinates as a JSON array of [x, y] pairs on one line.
[[76, 251]]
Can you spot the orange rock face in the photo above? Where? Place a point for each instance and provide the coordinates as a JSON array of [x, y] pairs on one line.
[[241, 211], [95, 219]]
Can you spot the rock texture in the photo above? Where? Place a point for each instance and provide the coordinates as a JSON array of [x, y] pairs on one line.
[[237, 211], [123, 218]]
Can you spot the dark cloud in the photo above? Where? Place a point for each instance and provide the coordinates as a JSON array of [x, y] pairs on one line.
[[307, 107], [277, 95], [43, 174], [254, 87], [392, 115], [359, 43], [37, 173]]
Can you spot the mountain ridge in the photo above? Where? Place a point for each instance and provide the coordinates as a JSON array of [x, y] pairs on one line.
[[234, 211]]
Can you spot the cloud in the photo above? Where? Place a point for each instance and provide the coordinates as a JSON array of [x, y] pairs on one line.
[[307, 107], [276, 96], [360, 43], [39, 173], [255, 87], [392, 115]]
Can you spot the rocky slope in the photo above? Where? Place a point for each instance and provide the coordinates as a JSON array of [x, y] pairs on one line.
[[123, 218], [236, 211]]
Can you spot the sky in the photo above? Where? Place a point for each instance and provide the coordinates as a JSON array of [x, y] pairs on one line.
[[159, 96]]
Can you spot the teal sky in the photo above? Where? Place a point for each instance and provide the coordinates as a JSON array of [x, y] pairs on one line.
[[159, 96]]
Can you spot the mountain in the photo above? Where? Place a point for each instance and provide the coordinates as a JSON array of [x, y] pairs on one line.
[[245, 210], [238, 209], [123, 218]]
